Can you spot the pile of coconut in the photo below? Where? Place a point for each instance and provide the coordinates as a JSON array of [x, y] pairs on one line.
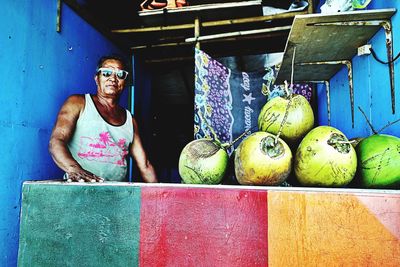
[[322, 156]]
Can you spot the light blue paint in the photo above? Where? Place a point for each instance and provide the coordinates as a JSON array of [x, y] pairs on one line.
[[39, 68], [371, 87], [132, 108]]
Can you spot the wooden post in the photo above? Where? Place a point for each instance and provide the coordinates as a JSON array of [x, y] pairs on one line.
[[197, 31]]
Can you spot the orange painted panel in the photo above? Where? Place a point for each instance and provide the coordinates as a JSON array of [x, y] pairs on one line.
[[333, 229]]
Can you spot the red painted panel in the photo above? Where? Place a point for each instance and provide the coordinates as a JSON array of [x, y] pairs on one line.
[[203, 227]]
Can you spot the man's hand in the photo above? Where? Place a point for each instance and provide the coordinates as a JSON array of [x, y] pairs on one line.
[[83, 176]]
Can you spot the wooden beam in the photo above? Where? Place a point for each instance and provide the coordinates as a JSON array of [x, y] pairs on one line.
[[197, 26], [235, 34], [216, 23]]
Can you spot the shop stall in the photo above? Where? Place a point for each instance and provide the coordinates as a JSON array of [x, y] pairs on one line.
[[206, 69]]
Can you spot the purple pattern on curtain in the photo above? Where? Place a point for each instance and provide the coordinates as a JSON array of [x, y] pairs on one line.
[[213, 99], [227, 101]]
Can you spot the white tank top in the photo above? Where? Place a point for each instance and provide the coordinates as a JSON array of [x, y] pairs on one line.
[[100, 147]]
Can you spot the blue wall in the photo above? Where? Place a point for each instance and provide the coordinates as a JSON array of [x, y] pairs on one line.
[[39, 68], [371, 87]]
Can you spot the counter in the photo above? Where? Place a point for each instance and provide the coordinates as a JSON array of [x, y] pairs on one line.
[[128, 224]]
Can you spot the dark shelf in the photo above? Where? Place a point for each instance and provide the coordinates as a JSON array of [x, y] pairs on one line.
[[165, 33]]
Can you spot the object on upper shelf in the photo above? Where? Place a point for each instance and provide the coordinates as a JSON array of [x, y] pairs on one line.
[[181, 3], [334, 6], [153, 4], [160, 4], [360, 4], [296, 5]]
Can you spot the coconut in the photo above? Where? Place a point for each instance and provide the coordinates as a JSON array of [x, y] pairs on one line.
[[299, 121], [325, 158], [379, 161], [203, 161], [259, 160]]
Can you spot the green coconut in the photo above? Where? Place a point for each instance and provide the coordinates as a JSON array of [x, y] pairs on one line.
[[299, 121], [325, 158], [203, 161], [379, 161], [261, 161]]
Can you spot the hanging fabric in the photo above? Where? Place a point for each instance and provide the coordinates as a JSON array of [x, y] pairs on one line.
[[229, 101], [273, 90]]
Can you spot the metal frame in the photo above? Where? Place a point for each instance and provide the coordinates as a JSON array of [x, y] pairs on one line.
[[350, 78], [328, 97], [387, 26]]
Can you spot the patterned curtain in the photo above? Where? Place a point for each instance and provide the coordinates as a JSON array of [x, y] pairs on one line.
[[227, 102]]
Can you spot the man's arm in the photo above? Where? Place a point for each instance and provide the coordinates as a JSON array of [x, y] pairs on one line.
[[62, 133], [138, 153]]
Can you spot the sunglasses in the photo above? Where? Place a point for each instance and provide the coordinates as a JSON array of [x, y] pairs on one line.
[[106, 72]]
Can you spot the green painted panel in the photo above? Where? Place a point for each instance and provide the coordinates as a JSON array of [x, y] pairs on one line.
[[79, 225]]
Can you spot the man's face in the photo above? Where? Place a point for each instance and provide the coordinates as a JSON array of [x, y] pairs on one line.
[[107, 80]]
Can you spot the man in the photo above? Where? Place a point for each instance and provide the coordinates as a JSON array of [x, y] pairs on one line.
[[93, 134]]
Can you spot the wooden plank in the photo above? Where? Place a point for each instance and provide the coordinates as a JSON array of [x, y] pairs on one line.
[[317, 43], [333, 229], [225, 187], [236, 34], [203, 227], [79, 225], [124, 224], [214, 23]]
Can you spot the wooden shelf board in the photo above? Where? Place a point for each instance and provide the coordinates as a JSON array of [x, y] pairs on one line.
[[326, 43], [207, 12]]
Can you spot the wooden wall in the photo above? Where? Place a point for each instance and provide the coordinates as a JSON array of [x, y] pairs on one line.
[[39, 69], [178, 225], [371, 87]]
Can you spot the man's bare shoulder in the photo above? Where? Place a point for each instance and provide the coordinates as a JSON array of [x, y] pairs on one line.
[[77, 99], [75, 103]]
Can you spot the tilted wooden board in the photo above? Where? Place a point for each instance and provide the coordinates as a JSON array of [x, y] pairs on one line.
[[316, 41]]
